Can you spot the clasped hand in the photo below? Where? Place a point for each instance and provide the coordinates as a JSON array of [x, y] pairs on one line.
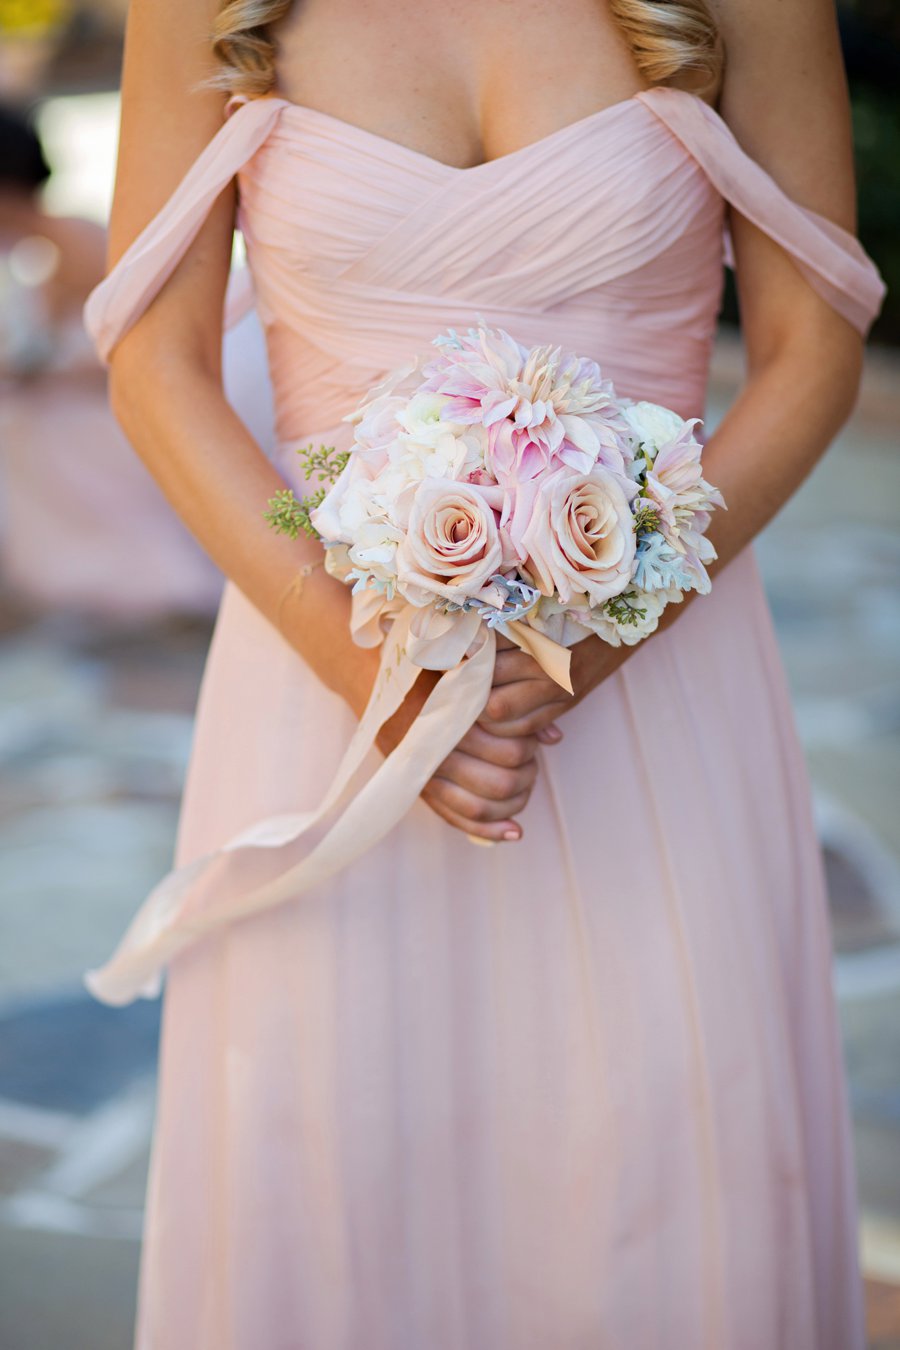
[[487, 779]]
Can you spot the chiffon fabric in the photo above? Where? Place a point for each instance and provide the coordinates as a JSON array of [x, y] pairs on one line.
[[584, 1090]]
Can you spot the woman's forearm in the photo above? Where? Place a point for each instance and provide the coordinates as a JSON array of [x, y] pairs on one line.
[[774, 433], [779, 426], [219, 482]]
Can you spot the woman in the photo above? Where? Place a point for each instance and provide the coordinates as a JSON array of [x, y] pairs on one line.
[[583, 1088]]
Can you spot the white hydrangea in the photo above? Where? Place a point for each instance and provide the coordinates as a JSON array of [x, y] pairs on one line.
[[427, 447]]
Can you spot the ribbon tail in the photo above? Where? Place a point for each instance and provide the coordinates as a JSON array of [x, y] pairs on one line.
[[226, 885], [551, 656], [395, 678]]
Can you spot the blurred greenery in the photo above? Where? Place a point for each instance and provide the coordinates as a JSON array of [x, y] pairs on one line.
[[870, 33], [876, 127]]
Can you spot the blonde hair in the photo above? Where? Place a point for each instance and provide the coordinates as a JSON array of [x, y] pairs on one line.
[[668, 38], [672, 39], [243, 45]]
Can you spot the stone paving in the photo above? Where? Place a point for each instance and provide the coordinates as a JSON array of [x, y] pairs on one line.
[[95, 726]]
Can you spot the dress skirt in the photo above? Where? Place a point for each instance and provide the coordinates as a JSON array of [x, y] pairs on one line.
[[582, 1090]]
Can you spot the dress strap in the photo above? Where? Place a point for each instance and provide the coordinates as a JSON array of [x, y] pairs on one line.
[[143, 269], [831, 259]]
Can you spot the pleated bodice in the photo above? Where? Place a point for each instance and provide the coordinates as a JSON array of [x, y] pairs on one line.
[[605, 237]]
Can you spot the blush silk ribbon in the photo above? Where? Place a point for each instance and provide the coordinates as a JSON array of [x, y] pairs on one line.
[[230, 882]]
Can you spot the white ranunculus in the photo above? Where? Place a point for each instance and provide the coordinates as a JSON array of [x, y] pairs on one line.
[[421, 416], [652, 425]]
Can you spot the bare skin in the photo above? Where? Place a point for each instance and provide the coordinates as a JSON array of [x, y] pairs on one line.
[[465, 82]]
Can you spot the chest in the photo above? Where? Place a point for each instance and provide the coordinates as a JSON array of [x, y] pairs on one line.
[[462, 82]]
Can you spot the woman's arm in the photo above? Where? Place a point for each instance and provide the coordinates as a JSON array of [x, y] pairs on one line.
[[166, 392], [785, 97], [165, 373]]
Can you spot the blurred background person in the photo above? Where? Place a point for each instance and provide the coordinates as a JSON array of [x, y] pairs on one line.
[[84, 524]]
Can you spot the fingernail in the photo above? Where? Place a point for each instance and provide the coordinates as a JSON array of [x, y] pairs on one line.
[[554, 732], [511, 834]]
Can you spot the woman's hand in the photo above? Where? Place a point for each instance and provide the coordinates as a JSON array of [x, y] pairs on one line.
[[483, 782], [525, 701], [488, 778]]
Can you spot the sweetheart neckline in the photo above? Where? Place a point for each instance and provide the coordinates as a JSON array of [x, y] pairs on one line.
[[580, 124]]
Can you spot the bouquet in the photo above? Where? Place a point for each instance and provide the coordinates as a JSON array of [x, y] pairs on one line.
[[488, 489], [513, 485]]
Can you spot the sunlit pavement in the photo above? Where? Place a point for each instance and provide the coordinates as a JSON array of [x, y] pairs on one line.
[[95, 727]]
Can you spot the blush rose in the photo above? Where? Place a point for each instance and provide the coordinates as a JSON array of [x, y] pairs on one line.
[[452, 545], [579, 538]]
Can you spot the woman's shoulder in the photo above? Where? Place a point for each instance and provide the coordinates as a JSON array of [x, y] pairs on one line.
[[171, 108], [784, 95]]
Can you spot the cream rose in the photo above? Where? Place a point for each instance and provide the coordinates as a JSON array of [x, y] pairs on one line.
[[579, 539], [452, 545]]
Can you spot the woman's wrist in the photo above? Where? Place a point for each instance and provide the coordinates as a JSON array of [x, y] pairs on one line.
[[593, 660], [395, 728], [294, 589], [313, 616]]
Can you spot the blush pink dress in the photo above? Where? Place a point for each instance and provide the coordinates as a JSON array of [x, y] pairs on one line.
[[582, 1092]]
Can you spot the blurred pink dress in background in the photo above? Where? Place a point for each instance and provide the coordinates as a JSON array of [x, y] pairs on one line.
[[581, 1091], [83, 525]]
